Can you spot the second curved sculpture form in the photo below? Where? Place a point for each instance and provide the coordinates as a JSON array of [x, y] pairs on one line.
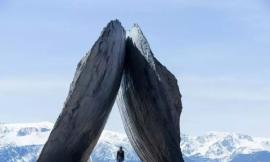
[[150, 103]]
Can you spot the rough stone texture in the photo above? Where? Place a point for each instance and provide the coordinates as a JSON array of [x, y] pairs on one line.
[[90, 99], [150, 103]]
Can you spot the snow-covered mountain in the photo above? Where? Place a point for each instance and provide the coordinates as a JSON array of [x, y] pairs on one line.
[[23, 143], [222, 146]]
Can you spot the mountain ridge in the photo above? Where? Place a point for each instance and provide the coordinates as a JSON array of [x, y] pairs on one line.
[[24, 141]]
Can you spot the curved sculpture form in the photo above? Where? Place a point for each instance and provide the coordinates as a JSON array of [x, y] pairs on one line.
[[150, 103], [90, 99]]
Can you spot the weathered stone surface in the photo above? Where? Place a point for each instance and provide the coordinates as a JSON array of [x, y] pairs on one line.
[[90, 99], [150, 103]]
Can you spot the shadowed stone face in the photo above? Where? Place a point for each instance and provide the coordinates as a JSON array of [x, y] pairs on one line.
[[90, 99], [150, 103]]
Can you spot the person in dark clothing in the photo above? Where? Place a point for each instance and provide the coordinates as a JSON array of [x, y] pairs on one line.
[[120, 155]]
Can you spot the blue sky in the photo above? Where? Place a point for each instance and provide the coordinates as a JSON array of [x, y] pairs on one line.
[[218, 50]]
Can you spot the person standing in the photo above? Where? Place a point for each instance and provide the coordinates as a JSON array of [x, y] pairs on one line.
[[120, 157]]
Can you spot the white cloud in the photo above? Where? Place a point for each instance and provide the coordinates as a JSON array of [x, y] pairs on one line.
[[225, 88], [32, 85]]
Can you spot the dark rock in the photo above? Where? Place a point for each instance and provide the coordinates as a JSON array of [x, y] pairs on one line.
[[90, 99], [150, 103]]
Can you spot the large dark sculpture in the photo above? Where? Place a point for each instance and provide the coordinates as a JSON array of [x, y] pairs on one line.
[[149, 101], [90, 99]]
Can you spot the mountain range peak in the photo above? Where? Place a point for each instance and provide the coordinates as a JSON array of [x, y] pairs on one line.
[[23, 142]]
